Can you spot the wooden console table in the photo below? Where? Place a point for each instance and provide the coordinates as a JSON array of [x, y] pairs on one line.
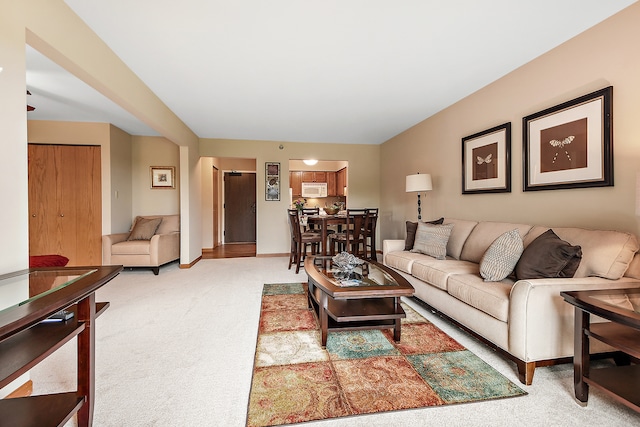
[[25, 340], [621, 307]]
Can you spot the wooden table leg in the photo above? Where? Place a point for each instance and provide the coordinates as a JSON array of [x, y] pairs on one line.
[[398, 322], [581, 355], [87, 358], [324, 321]]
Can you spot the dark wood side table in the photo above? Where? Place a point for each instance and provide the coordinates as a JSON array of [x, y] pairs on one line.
[[622, 308], [26, 338]]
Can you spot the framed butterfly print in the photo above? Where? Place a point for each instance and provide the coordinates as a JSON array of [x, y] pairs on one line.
[[570, 145], [486, 161]]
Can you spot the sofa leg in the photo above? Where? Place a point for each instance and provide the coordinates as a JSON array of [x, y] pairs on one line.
[[156, 270], [525, 371]]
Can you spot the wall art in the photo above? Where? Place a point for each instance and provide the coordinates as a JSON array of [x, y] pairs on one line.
[[486, 161], [272, 187], [163, 177], [570, 145]]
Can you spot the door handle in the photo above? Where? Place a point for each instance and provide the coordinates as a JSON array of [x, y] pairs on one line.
[[253, 208]]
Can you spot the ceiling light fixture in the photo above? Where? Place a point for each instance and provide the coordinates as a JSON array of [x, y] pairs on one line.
[[310, 162]]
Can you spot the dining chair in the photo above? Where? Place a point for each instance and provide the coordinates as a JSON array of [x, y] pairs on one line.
[[300, 240], [352, 237], [310, 211], [370, 232]]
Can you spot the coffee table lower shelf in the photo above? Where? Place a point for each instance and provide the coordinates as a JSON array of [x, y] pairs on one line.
[[356, 314]]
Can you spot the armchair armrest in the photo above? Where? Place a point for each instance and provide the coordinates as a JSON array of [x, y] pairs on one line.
[[164, 248], [109, 240]]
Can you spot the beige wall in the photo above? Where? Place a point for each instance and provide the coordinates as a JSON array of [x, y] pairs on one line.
[[605, 55], [121, 195], [272, 228], [150, 151]]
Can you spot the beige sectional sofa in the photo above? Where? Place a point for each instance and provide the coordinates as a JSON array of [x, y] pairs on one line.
[[135, 249], [527, 319]]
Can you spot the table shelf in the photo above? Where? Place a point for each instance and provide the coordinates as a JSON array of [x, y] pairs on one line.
[[25, 341], [620, 382], [622, 337]]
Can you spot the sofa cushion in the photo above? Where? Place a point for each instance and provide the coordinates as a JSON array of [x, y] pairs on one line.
[[437, 272], [131, 247], [402, 260], [411, 232], [483, 236], [432, 240], [459, 234], [144, 228], [548, 256], [502, 256], [489, 297], [605, 254]]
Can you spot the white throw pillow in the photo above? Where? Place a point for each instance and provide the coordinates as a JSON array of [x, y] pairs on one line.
[[432, 239], [501, 257]]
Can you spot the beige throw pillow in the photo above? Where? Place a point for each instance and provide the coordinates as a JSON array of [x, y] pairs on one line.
[[501, 257], [144, 228], [432, 239]]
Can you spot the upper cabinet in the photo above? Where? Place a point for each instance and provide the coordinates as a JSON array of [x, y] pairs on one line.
[[341, 182], [295, 182], [314, 176], [335, 187]]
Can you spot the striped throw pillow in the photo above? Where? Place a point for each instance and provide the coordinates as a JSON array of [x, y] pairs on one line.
[[432, 239], [501, 257]]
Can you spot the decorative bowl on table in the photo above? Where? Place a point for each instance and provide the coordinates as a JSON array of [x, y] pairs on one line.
[[331, 210], [346, 262]]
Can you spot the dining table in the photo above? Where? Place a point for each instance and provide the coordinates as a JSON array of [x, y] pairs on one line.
[[323, 221]]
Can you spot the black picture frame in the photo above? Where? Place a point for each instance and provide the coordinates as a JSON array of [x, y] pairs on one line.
[[486, 161], [570, 145]]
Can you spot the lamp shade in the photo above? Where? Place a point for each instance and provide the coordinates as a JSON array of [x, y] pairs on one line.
[[418, 182]]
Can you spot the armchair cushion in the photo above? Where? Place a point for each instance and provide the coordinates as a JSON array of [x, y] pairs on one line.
[[144, 228]]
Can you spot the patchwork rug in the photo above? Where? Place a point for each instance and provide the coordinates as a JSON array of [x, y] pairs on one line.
[[359, 372]]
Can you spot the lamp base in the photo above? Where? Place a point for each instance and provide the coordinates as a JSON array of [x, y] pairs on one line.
[[419, 210]]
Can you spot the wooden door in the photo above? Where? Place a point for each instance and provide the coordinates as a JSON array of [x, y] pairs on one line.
[[239, 207], [65, 202]]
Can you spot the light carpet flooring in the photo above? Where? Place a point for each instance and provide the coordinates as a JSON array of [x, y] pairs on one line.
[[177, 350]]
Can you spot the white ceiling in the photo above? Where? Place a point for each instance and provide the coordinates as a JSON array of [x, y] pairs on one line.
[[342, 71]]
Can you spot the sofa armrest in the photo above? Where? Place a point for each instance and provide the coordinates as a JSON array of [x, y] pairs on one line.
[[541, 321], [164, 248], [109, 240], [391, 245]]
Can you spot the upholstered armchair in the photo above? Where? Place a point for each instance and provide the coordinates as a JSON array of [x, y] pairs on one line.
[[153, 240]]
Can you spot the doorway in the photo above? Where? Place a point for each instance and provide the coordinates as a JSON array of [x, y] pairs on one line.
[[239, 207]]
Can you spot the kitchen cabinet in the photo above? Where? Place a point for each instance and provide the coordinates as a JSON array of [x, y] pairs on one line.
[[341, 181], [295, 182], [314, 176], [331, 184]]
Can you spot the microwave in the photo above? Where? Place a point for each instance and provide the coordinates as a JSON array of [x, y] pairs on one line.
[[314, 189]]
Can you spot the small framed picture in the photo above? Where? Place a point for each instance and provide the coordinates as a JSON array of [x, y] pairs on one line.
[[163, 177], [570, 145], [272, 184], [486, 161]]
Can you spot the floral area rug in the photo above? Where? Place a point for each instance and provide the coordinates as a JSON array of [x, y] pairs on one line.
[[360, 372]]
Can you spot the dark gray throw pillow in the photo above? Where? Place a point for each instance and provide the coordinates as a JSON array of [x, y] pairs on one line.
[[411, 232], [548, 256]]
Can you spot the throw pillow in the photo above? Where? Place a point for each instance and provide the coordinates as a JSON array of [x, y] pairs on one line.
[[144, 228], [411, 232], [501, 257], [432, 239], [548, 256]]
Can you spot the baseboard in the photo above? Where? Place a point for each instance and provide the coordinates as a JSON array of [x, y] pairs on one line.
[[271, 255], [192, 263], [24, 390]]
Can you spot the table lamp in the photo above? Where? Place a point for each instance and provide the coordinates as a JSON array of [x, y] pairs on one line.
[[418, 183]]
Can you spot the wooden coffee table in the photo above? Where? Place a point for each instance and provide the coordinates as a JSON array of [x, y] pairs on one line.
[[369, 300]]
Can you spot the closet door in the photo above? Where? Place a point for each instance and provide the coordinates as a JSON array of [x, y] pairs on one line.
[[65, 202]]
